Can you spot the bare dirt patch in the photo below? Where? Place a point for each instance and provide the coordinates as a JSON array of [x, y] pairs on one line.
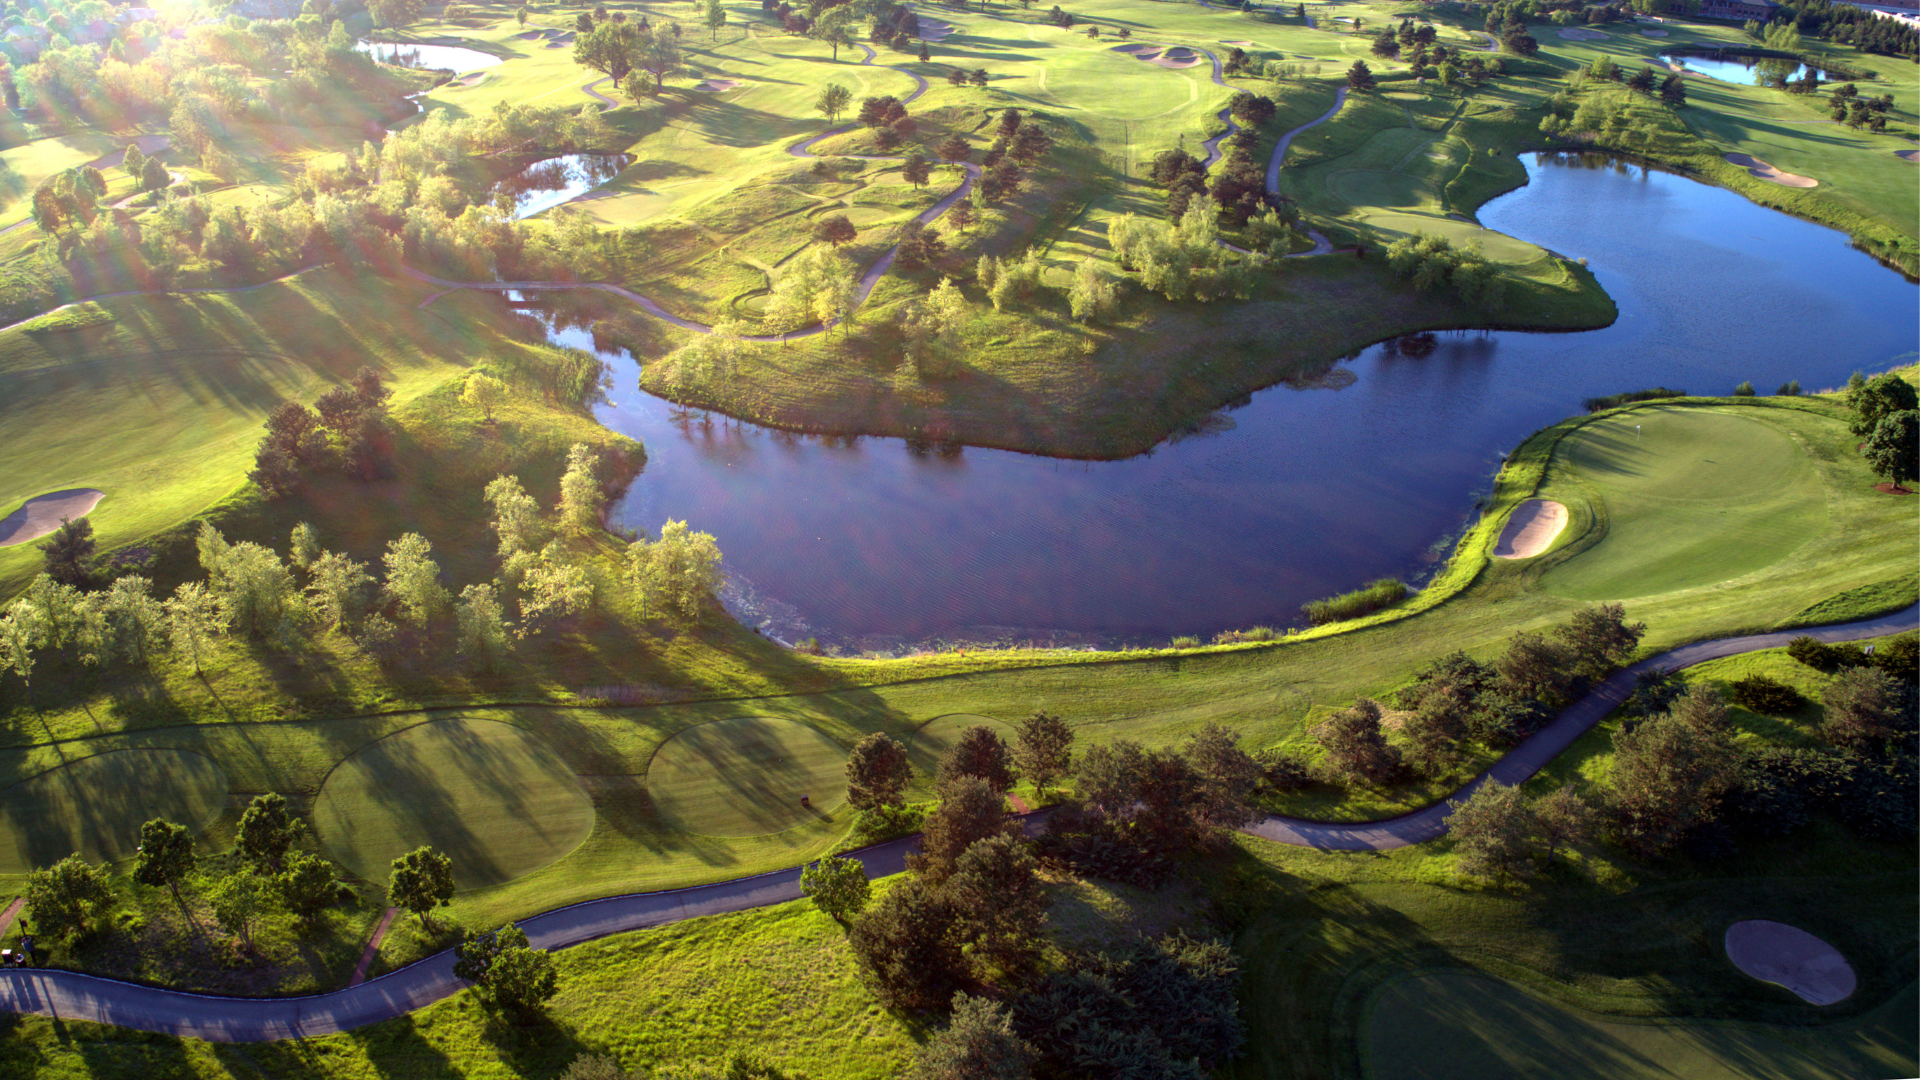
[[1532, 528], [1789, 956], [41, 514], [1892, 489], [1770, 174]]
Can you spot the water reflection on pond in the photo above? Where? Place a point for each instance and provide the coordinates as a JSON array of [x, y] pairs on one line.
[[1745, 70], [546, 184], [450, 57], [873, 543]]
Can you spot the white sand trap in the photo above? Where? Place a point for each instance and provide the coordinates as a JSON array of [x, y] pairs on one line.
[[1654, 33], [1908, 155], [41, 515], [474, 79], [934, 31], [1790, 957], [1177, 58], [718, 86], [1534, 526], [1770, 174], [1136, 50], [1575, 33]]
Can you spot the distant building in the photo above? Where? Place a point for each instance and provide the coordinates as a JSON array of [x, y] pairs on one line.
[[1757, 10]]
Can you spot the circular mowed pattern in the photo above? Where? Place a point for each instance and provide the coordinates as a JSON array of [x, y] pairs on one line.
[[938, 735], [495, 799], [96, 805], [1690, 497], [745, 777]]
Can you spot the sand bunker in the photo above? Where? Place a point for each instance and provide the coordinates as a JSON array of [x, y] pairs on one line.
[[1135, 50], [718, 86], [934, 31], [1575, 33], [1790, 957], [1907, 155], [1534, 526], [1654, 33], [471, 80], [41, 515], [1770, 174], [1176, 58]]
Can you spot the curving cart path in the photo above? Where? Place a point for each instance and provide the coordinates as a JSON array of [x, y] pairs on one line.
[[1546, 744], [70, 995]]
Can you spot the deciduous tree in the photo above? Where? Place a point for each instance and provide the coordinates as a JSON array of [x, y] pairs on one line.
[[979, 752], [1668, 779], [239, 900], [307, 883], [1493, 831], [676, 573], [877, 772], [484, 392], [421, 880], [1043, 749], [837, 886], [66, 896], [268, 832], [1893, 449], [1357, 749], [194, 618], [1863, 709], [166, 855], [581, 499]]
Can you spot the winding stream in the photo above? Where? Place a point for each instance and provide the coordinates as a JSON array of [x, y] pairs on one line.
[[870, 543]]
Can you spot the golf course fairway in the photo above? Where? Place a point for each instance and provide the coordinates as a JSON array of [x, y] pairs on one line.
[[745, 777], [95, 806], [1685, 498], [496, 799]]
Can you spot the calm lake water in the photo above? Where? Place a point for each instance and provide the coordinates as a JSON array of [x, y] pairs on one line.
[[871, 544], [546, 184], [451, 57], [1748, 71]]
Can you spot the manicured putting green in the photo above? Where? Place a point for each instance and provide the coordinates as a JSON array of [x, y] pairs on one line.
[[495, 799], [1451, 1024], [96, 805], [745, 777], [938, 735], [1691, 497]]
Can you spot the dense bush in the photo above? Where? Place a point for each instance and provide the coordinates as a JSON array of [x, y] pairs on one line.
[[1159, 1009], [1768, 697], [1613, 401], [1820, 656], [1371, 597]]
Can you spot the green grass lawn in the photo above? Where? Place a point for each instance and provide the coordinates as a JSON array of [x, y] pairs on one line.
[[1684, 498], [746, 777], [937, 736], [489, 795], [1448, 1024], [96, 805]]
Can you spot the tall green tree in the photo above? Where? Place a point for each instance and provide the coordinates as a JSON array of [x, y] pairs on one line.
[[877, 772], [166, 855], [1493, 831], [1000, 903], [239, 900], [1893, 449], [978, 1043], [1043, 749], [1880, 396], [421, 880], [715, 17], [581, 499], [413, 579], [609, 48], [907, 948], [268, 831], [837, 886], [513, 973], [1669, 779], [979, 752], [677, 573], [833, 101], [307, 884], [970, 810], [67, 896], [194, 618], [69, 553]]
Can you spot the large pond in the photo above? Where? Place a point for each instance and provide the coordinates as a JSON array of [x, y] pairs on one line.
[[874, 544], [1746, 70], [450, 57]]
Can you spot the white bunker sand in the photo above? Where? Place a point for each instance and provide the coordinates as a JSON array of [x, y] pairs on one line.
[[1767, 172], [41, 514], [1534, 526], [1789, 956]]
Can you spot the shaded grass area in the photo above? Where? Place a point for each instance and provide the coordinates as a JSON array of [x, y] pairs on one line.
[[747, 776], [96, 805], [489, 795]]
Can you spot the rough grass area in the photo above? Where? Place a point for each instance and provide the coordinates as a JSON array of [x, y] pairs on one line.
[[1449, 1024], [491, 796]]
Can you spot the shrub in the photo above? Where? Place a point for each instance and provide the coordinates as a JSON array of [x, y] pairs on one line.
[[883, 823], [1614, 401], [1766, 696], [1186, 641], [1827, 658], [1371, 597]]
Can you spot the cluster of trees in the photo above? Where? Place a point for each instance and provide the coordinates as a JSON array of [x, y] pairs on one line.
[[1849, 107], [1236, 187], [1672, 88], [1425, 60], [615, 47], [1885, 419], [347, 428], [1184, 259], [1457, 701], [970, 915], [1846, 24], [250, 590], [819, 287], [1092, 295], [512, 973], [1432, 261], [1680, 782], [68, 898]]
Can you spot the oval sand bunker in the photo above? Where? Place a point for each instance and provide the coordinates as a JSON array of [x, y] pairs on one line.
[[41, 515], [1534, 526], [1790, 957]]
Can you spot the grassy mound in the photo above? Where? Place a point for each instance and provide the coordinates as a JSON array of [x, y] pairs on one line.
[[1695, 498], [938, 735], [497, 800], [96, 805], [1455, 1023], [745, 777]]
